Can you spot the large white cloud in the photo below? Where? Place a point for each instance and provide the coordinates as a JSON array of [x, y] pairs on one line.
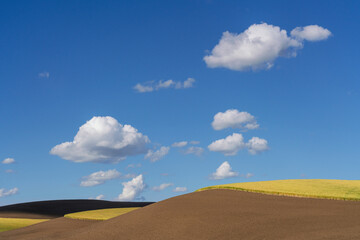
[[4, 193], [132, 189], [311, 33], [257, 47], [162, 187], [257, 145], [158, 85], [232, 118], [157, 155], [229, 146], [223, 171], [101, 177], [103, 139], [8, 161]]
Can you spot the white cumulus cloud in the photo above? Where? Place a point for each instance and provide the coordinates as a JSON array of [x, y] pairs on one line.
[[180, 189], [179, 144], [232, 118], [103, 140], [132, 189], [99, 177], [157, 155], [223, 171], [4, 193], [158, 85], [198, 151], [162, 187], [8, 161], [259, 45], [229, 146], [311, 33], [257, 145]]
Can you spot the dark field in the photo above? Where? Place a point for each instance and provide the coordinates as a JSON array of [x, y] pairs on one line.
[[58, 208]]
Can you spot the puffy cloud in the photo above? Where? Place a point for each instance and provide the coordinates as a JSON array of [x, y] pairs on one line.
[[99, 177], [194, 150], [103, 140], [132, 189], [180, 189], [162, 187], [311, 33], [194, 142], [259, 45], [223, 171], [8, 161], [229, 146], [158, 85], [179, 144], [44, 75], [157, 155], [256, 145], [232, 118], [4, 193]]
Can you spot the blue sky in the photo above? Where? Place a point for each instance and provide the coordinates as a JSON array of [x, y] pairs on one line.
[[65, 62]]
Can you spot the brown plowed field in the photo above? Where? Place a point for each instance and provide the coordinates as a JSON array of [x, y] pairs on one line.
[[225, 214]]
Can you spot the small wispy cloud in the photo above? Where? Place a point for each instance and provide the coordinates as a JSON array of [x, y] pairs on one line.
[[162, 187], [198, 151], [44, 74], [5, 193], [158, 85], [154, 156], [8, 161], [180, 189], [101, 177]]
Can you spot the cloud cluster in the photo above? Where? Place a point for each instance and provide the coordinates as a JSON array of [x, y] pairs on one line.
[[259, 45], [180, 189], [103, 140], [162, 187], [232, 118], [132, 189], [155, 86], [8, 161], [230, 145], [4, 193], [157, 155], [223, 171], [101, 177]]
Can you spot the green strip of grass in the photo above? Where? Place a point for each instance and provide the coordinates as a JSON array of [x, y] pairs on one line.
[[101, 214], [312, 188], [7, 224]]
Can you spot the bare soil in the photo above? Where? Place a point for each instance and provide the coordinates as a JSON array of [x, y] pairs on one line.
[[215, 214]]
